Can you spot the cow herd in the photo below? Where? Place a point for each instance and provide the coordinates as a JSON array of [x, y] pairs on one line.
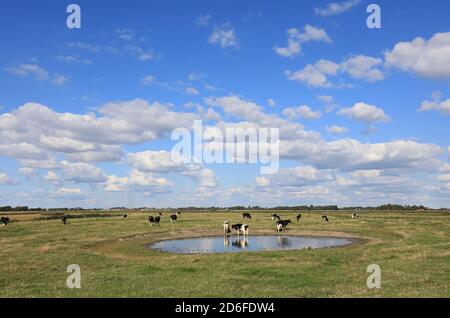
[[239, 228]]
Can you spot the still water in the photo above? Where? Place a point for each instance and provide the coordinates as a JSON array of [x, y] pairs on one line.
[[232, 244]]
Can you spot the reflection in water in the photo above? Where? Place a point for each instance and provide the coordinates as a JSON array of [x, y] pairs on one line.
[[283, 241], [240, 242], [226, 241], [219, 244]]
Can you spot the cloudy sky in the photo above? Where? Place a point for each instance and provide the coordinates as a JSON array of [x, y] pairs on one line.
[[86, 114]]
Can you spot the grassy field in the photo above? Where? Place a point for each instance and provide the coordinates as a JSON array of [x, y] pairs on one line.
[[412, 249]]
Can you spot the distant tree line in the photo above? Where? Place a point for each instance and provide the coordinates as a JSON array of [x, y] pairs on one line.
[[385, 207]]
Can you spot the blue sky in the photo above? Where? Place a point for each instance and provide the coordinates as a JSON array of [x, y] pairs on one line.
[[85, 114]]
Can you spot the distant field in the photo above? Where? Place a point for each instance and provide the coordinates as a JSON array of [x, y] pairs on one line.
[[412, 248]]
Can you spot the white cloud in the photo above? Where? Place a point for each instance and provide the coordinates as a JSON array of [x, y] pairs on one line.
[[125, 34], [137, 180], [303, 111], [5, 180], [359, 67], [203, 20], [39, 73], [428, 58], [364, 112], [73, 59], [271, 102], [296, 37], [315, 75], [336, 8], [81, 172], [224, 36], [52, 177], [148, 80], [69, 192], [192, 91], [336, 129], [161, 162], [437, 105], [363, 67]]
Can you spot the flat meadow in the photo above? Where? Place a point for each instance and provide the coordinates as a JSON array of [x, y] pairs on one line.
[[411, 248]]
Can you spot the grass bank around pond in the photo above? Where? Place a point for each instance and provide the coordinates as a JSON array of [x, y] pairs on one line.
[[412, 249]]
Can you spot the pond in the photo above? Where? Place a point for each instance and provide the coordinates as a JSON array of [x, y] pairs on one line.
[[232, 244]]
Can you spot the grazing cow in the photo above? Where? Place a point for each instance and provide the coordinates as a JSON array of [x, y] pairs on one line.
[[246, 215], [173, 218], [154, 220], [355, 216], [299, 216], [160, 214], [276, 217], [226, 227], [179, 213], [325, 219], [125, 215], [282, 225], [4, 220], [64, 219]]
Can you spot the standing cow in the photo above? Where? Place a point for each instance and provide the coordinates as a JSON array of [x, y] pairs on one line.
[[246, 215], [4, 220], [226, 227]]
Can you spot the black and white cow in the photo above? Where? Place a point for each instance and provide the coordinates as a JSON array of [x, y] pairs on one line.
[[282, 225], [64, 219], [125, 215], [276, 217], [246, 215], [325, 219], [299, 216], [173, 218], [240, 228], [4, 220], [226, 227], [154, 220], [355, 216], [179, 213]]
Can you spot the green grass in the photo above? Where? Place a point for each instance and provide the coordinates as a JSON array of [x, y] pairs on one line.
[[413, 250]]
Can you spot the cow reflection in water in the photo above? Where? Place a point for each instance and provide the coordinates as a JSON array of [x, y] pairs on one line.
[[283, 241], [239, 242]]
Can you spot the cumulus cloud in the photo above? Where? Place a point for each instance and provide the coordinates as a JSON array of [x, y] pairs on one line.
[[192, 91], [427, 58], [359, 67], [161, 162], [336, 129], [81, 172], [365, 113], [137, 180], [148, 80], [436, 104], [33, 131], [335, 8], [297, 37], [315, 75], [303, 111], [224, 36], [5, 180]]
